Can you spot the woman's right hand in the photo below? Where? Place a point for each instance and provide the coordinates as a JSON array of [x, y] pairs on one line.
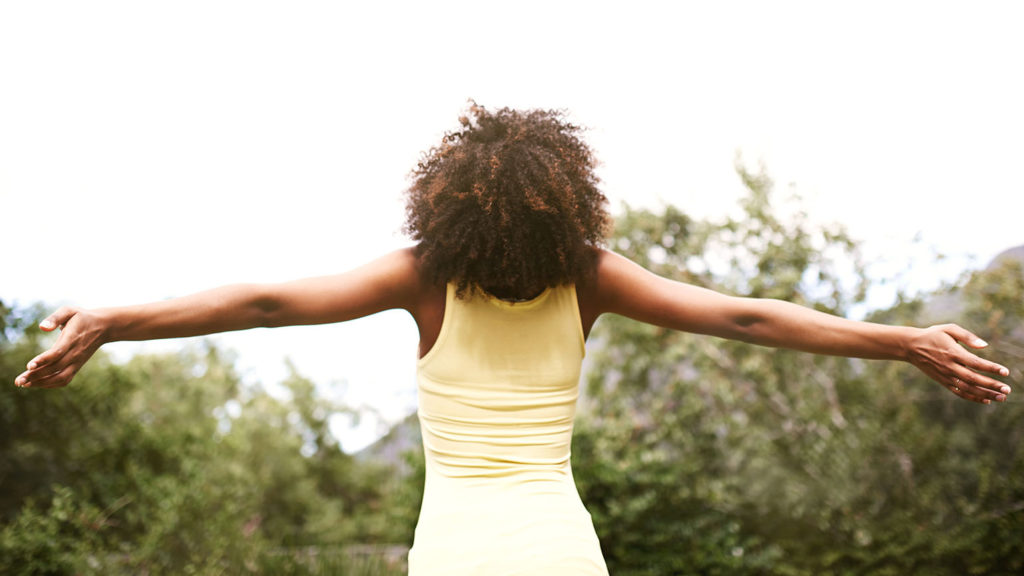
[[81, 334]]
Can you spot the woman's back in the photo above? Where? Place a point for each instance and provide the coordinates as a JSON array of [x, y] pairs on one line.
[[497, 398]]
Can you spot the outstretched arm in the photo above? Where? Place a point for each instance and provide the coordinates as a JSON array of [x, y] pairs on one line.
[[625, 288], [386, 283]]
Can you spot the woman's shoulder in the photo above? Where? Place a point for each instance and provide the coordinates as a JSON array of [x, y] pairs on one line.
[[608, 271]]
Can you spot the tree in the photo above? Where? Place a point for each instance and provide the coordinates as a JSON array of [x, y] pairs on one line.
[[702, 456], [169, 464]]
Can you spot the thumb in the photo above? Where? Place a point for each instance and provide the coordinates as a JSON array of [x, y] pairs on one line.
[[58, 319], [965, 336]]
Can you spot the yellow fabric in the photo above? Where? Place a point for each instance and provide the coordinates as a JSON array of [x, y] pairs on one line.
[[497, 398]]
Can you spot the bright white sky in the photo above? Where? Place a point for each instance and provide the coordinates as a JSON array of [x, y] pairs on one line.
[[149, 149]]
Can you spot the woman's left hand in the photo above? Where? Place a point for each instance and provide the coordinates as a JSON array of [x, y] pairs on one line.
[[936, 352]]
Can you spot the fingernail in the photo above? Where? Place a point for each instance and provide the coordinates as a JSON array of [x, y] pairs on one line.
[[46, 324], [980, 343], [1001, 398], [1005, 390], [986, 401], [1004, 371], [32, 365]]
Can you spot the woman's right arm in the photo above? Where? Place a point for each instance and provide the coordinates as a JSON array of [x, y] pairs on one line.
[[389, 282]]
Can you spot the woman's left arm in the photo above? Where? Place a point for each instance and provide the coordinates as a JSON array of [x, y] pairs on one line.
[[625, 288]]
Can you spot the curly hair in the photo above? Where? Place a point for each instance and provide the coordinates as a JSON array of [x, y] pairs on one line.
[[508, 203]]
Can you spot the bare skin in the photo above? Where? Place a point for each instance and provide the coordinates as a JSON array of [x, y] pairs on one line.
[[619, 286]]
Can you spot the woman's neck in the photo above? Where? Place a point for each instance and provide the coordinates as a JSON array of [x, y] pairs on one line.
[[510, 294]]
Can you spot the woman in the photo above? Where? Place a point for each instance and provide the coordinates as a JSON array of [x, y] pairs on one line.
[[504, 284]]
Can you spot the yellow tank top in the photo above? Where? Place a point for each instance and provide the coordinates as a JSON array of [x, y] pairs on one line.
[[497, 398]]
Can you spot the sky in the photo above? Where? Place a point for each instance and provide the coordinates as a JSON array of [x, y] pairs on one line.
[[151, 150]]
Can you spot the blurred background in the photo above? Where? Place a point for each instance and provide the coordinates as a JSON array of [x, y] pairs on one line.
[[858, 158]]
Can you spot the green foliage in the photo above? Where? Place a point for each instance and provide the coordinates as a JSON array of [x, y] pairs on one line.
[[54, 541], [702, 456], [170, 465]]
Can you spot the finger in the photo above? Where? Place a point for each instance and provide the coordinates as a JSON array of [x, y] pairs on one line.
[[52, 355], [30, 378], [983, 381], [57, 379], [35, 377], [964, 336], [957, 387], [978, 363], [58, 319], [981, 385], [976, 391]]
